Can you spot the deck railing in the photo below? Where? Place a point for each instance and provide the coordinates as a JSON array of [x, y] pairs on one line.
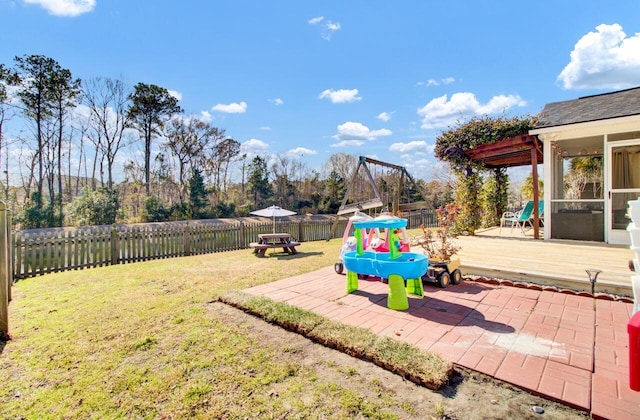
[[41, 251]]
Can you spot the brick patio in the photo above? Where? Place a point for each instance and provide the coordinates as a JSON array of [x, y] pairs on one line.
[[561, 346]]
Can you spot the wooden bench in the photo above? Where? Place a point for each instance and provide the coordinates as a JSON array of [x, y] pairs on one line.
[[261, 249]]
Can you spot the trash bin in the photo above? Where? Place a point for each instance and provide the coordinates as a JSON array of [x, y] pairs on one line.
[[633, 329]]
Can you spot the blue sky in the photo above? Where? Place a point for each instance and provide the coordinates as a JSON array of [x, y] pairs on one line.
[[312, 78]]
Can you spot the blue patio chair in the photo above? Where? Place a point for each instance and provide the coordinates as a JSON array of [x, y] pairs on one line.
[[540, 214], [518, 218]]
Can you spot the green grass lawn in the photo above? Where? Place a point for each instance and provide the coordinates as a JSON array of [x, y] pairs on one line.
[[140, 340]]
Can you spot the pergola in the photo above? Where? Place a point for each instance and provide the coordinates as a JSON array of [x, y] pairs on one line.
[[513, 151]]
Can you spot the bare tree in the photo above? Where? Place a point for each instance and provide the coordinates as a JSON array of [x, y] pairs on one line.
[[344, 164], [108, 101], [228, 151], [221, 152], [188, 139], [285, 191]]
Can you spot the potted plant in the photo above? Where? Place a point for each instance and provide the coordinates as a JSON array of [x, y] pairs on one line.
[[440, 247]]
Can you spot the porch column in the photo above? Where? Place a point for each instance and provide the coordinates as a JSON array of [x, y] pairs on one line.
[[536, 201]]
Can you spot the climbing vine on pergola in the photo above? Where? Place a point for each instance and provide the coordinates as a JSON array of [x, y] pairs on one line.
[[457, 145]]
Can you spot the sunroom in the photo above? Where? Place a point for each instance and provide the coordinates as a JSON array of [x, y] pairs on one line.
[[591, 165]]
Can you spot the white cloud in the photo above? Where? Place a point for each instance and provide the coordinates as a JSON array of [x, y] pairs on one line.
[[233, 108], [357, 131], [82, 114], [440, 112], [328, 28], [416, 147], [12, 93], [434, 82], [348, 143], [205, 116], [253, 146], [300, 151], [65, 7], [430, 82], [418, 167], [175, 94], [340, 96], [276, 101], [265, 128], [333, 26], [501, 103], [605, 59], [384, 116]]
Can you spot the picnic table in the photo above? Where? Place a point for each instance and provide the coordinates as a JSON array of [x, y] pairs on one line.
[[274, 240]]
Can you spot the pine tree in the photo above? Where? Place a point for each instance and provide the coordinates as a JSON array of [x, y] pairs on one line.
[[198, 198], [259, 186]]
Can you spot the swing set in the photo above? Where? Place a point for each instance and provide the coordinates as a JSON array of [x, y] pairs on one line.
[[363, 192]]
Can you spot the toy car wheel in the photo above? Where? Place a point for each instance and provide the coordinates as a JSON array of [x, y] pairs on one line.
[[363, 276], [444, 280], [339, 267], [456, 276]]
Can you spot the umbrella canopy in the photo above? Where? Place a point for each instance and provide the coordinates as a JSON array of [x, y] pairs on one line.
[[273, 212]]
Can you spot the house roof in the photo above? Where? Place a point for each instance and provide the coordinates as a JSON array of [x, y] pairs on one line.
[[622, 103]]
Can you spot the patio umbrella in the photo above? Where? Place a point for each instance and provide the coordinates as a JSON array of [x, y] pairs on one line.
[[273, 212]]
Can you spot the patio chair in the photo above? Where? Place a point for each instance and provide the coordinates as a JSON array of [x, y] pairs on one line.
[[540, 213], [518, 218]]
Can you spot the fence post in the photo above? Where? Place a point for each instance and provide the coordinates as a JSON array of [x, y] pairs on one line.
[[241, 243], [301, 230], [186, 240], [5, 276], [11, 249], [115, 246]]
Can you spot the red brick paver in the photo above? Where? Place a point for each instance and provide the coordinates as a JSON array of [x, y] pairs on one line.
[[565, 347]]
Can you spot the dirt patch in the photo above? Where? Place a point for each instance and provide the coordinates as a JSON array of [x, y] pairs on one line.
[[469, 395]]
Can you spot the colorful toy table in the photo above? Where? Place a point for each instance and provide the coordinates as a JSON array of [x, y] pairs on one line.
[[396, 266]]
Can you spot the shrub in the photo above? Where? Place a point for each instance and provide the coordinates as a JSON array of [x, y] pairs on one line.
[[439, 243], [94, 207], [155, 210]]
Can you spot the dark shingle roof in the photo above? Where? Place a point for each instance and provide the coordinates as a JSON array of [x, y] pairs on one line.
[[622, 103]]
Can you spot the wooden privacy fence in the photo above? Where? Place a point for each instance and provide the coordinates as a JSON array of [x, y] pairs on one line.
[[41, 251]]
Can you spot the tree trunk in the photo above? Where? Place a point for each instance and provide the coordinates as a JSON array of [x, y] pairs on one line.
[[147, 160], [95, 166], [82, 153], [70, 192], [40, 180], [59, 164], [110, 172]]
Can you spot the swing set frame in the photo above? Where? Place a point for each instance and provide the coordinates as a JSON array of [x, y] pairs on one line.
[[378, 201]]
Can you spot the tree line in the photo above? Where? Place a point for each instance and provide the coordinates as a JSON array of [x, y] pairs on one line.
[[76, 135]]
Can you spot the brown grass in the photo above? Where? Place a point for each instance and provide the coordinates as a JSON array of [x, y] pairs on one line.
[[419, 366]]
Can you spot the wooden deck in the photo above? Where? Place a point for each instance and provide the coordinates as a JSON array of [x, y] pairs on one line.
[[512, 256]]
